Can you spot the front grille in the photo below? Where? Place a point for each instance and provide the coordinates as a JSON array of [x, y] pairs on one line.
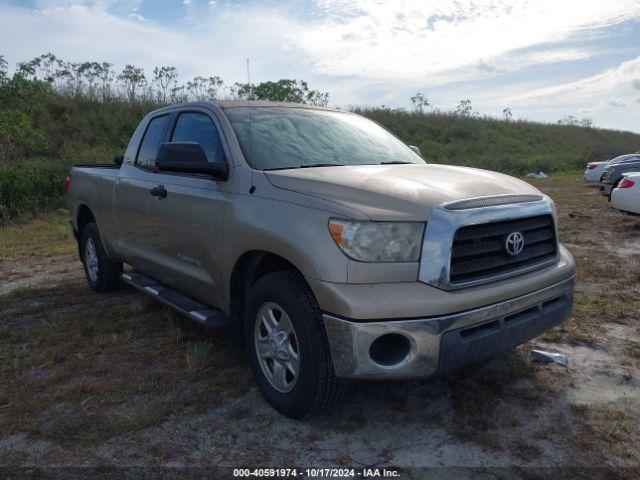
[[479, 251]]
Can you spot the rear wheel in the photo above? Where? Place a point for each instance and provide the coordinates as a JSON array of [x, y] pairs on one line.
[[615, 185], [288, 347], [103, 275]]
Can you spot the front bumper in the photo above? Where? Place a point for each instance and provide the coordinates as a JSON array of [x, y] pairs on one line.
[[430, 346]]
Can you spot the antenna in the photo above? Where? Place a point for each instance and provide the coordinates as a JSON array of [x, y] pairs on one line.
[[249, 79], [250, 121]]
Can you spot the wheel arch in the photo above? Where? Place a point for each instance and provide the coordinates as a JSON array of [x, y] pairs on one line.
[[84, 216], [247, 270]]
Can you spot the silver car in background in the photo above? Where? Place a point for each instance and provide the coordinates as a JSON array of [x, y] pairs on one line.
[[594, 171]]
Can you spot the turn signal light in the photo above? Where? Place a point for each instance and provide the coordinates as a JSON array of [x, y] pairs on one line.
[[626, 183], [336, 230], [67, 183]]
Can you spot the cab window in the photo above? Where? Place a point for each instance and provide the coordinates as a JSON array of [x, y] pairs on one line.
[[199, 128]]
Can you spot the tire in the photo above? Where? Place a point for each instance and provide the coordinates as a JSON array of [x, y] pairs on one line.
[[615, 185], [316, 386], [103, 275]]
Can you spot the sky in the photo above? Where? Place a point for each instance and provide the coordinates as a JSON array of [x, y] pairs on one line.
[[544, 59]]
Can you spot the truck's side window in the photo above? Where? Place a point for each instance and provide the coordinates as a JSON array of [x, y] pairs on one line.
[[151, 143], [198, 127]]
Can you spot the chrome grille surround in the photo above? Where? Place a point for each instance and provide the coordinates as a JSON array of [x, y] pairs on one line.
[[444, 222]]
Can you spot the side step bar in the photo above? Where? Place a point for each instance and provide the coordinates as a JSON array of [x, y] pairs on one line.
[[211, 318]]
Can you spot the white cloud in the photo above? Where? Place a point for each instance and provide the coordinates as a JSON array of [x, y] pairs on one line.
[[361, 51], [186, 2], [601, 86], [414, 41], [608, 92], [135, 15], [209, 46]]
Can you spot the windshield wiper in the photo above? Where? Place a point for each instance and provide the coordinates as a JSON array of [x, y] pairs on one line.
[[395, 162], [312, 165]]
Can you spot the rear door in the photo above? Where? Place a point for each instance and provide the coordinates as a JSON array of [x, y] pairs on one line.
[[188, 220], [132, 196]]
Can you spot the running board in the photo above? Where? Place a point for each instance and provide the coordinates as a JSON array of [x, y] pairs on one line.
[[211, 318]]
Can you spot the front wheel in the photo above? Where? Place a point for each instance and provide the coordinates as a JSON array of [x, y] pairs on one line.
[[288, 348]]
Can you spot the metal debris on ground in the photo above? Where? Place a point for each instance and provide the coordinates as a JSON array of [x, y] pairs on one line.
[[542, 356], [540, 174]]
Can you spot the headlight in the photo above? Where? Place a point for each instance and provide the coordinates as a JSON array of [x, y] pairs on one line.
[[378, 241]]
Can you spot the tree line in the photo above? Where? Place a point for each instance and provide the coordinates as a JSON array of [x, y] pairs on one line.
[[99, 81], [421, 105]]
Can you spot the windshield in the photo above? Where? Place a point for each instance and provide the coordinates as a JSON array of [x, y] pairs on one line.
[[289, 137], [625, 158]]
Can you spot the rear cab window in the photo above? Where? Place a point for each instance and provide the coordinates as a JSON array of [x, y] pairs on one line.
[[150, 144]]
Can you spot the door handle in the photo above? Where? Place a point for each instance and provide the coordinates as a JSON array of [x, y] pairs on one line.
[[159, 191]]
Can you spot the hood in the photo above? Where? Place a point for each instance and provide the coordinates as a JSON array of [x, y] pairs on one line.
[[396, 192]]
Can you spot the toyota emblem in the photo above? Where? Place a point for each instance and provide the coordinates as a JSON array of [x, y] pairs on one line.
[[514, 244]]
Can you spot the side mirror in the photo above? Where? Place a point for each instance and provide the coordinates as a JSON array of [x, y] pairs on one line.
[[415, 149], [189, 157], [118, 160]]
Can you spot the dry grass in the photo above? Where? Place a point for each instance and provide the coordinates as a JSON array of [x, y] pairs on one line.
[[78, 368], [79, 371]]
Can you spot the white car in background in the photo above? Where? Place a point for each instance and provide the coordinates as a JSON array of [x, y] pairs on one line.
[[627, 195], [594, 170]]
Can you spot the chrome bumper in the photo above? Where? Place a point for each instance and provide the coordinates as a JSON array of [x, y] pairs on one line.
[[426, 347]]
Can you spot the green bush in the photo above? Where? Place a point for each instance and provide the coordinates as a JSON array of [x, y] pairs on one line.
[[29, 186]]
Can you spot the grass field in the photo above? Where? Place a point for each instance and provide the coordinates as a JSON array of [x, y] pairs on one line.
[[117, 380]]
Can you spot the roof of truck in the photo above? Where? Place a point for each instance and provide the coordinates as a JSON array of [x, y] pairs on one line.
[[264, 103], [245, 103]]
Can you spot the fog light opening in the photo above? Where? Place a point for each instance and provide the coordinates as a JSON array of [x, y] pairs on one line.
[[390, 349]]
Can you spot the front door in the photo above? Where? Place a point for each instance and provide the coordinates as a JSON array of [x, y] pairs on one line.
[[188, 219]]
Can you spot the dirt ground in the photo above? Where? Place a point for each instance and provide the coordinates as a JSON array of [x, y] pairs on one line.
[[119, 381]]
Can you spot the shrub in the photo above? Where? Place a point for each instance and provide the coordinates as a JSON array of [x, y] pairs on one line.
[[29, 186]]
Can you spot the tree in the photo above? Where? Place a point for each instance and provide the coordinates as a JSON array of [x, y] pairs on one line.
[[586, 122], [464, 108], [284, 90], [45, 66], [4, 70], [508, 116], [178, 94], [241, 91], [26, 70], [132, 78], [106, 77], [74, 73], [165, 78], [420, 102], [204, 88], [92, 72]]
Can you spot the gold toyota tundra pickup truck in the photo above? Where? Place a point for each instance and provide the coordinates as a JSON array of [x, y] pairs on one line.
[[327, 246]]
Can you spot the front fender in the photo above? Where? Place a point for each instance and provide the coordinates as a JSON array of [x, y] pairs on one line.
[[296, 233]]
